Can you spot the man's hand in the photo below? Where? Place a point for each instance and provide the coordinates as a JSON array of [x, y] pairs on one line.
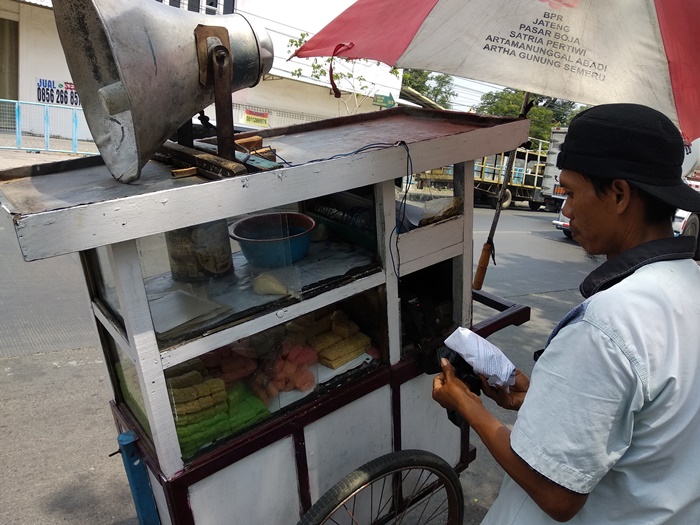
[[452, 393], [512, 400]]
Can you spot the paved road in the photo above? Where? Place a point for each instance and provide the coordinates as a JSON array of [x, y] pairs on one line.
[[54, 417], [56, 427]]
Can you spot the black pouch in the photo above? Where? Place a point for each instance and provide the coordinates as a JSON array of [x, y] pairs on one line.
[[463, 371]]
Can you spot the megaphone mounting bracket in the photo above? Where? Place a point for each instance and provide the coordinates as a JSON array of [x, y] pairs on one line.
[[216, 67]]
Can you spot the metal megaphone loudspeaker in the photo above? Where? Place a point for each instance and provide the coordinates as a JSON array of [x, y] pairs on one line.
[[137, 71]]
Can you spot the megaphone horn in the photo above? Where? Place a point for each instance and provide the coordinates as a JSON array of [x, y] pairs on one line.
[[136, 67]]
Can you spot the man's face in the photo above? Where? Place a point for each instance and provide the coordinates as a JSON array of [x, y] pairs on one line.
[[591, 217]]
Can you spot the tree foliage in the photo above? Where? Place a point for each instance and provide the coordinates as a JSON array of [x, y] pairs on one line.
[[545, 113], [435, 86]]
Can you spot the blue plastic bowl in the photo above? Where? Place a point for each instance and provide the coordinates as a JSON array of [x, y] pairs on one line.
[[273, 239]]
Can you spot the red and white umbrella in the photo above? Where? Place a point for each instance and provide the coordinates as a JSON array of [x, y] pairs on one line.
[[586, 51]]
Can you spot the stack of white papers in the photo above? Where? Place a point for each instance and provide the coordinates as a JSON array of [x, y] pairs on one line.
[[484, 357]]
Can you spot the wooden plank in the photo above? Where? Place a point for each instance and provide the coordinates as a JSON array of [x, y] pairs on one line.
[[438, 256], [115, 331], [386, 221], [259, 489], [362, 430], [52, 218], [462, 267], [141, 336], [426, 240], [73, 229]]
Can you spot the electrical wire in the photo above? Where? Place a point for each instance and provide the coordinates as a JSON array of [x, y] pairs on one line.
[[396, 264], [395, 231], [368, 147]]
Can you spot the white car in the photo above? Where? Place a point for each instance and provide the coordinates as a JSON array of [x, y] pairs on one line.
[[562, 222], [687, 223]]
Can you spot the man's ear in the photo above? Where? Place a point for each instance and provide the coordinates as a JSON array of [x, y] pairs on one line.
[[621, 192]]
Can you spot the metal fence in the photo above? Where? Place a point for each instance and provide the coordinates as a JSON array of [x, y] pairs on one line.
[[34, 126]]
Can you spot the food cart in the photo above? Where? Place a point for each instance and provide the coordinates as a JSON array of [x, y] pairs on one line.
[[270, 305], [239, 415]]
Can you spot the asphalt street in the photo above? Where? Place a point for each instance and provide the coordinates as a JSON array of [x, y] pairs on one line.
[[56, 426], [55, 422]]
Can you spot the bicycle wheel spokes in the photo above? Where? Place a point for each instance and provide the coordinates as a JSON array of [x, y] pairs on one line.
[[411, 497], [402, 488]]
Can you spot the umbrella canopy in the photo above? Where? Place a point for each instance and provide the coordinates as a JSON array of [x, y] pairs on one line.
[[587, 51]]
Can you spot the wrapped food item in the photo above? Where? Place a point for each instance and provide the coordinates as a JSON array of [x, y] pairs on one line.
[[486, 358], [191, 378], [344, 351], [324, 340], [302, 355], [268, 284], [344, 328], [182, 395]]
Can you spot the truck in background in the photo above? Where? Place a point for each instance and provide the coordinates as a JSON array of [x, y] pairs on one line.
[[552, 194], [525, 184]]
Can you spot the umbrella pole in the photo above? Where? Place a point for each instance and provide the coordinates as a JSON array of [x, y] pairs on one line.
[[489, 249]]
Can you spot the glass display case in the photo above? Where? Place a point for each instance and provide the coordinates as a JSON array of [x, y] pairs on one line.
[[276, 318]]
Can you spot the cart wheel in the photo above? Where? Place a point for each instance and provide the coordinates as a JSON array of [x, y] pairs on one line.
[[407, 486], [507, 200]]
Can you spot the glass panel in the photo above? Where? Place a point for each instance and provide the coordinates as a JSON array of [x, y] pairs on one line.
[[230, 389], [347, 217], [104, 278], [203, 277], [427, 197], [128, 383], [426, 308]]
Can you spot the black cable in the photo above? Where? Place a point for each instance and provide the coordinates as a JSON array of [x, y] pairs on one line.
[[396, 265]]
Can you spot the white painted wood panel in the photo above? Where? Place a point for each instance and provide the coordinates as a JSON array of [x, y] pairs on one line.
[[259, 489], [347, 439], [142, 338], [427, 240], [424, 423], [159, 497], [386, 221], [68, 223]]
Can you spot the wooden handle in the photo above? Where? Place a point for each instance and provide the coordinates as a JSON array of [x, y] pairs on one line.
[[481, 267]]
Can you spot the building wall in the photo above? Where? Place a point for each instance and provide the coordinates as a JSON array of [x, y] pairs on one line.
[[41, 57]]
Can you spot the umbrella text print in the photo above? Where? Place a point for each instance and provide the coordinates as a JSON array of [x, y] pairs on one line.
[[590, 52]]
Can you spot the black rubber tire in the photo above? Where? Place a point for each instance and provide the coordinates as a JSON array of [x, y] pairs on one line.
[[507, 200], [567, 233], [534, 206], [388, 468], [692, 228]]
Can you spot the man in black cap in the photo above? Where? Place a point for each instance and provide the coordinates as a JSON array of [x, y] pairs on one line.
[[607, 433]]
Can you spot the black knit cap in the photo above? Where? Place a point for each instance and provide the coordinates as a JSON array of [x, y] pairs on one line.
[[631, 142]]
